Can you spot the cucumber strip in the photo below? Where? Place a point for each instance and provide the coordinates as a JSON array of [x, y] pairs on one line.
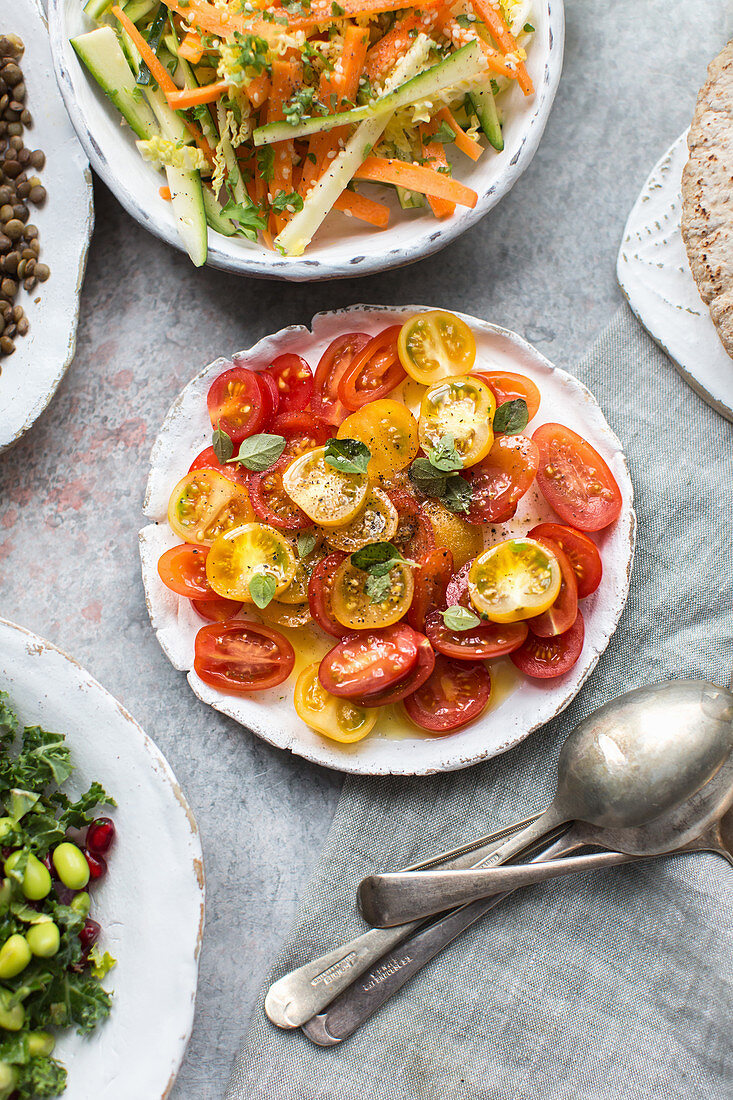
[[101, 53], [138, 9], [171, 124], [96, 9], [466, 64], [234, 176], [187, 200], [484, 105], [154, 37], [187, 77], [410, 200], [214, 216]]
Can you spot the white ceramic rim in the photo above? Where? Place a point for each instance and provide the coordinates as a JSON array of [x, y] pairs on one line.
[[57, 139], [378, 255], [179, 818], [661, 288], [420, 756]]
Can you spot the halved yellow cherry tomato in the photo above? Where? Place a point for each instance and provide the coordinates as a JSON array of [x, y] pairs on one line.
[[297, 590], [464, 540], [339, 719], [205, 504], [435, 345], [326, 495], [293, 615], [376, 522], [352, 606], [389, 430], [248, 551], [514, 580], [463, 408]]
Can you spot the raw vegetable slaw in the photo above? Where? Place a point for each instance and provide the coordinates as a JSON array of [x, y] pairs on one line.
[[267, 118]]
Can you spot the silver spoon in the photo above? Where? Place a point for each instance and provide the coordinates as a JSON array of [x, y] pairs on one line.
[[365, 996], [625, 765]]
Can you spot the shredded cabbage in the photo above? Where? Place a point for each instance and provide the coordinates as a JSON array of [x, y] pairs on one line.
[[169, 154]]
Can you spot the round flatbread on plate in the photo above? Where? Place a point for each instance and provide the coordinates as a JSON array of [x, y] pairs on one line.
[[518, 705]]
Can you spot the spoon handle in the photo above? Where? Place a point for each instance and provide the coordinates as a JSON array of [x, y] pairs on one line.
[[305, 991], [368, 993]]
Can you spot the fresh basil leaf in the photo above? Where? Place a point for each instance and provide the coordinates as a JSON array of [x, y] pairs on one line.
[[350, 456], [460, 618], [222, 444], [512, 417], [375, 554], [306, 543], [457, 494], [262, 589], [259, 452], [378, 588], [426, 478], [444, 456]]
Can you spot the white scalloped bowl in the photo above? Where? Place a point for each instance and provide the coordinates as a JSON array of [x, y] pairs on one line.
[[518, 705], [343, 247]]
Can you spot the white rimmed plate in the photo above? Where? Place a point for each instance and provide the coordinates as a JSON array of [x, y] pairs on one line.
[[31, 374], [343, 247], [151, 904], [514, 713], [654, 274]]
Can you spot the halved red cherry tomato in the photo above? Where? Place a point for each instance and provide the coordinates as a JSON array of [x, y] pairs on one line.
[[575, 480], [457, 590], [415, 535], [501, 480], [302, 431], [455, 693], [478, 643], [320, 586], [374, 371], [293, 380], [271, 503], [241, 656], [207, 460], [582, 553], [563, 613], [235, 403], [270, 397], [218, 609], [431, 579], [414, 679], [507, 386], [333, 365], [544, 658], [369, 661], [183, 570]]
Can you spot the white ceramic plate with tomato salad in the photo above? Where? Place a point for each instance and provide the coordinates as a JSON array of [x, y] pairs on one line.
[[518, 704], [150, 903]]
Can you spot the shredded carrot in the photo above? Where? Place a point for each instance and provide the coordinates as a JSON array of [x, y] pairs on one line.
[[415, 177], [321, 12], [192, 97], [434, 153], [192, 48], [503, 37], [366, 210], [206, 20], [158, 71], [466, 144], [258, 89], [200, 140], [287, 75], [165, 193], [389, 49]]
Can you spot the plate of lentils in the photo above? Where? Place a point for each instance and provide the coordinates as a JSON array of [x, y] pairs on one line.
[[46, 221]]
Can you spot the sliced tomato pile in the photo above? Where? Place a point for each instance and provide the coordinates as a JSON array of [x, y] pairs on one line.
[[363, 498]]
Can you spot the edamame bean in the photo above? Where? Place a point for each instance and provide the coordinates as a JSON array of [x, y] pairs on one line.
[[6, 826], [36, 879], [40, 1044], [6, 894], [8, 1079], [12, 1019], [43, 939], [80, 903], [71, 865], [15, 954]]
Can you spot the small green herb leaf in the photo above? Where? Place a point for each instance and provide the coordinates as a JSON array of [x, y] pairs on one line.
[[460, 618], [266, 162], [377, 556], [528, 28], [306, 543], [222, 444], [511, 417], [444, 134], [350, 456], [444, 456], [457, 495], [262, 589], [426, 478], [292, 202], [260, 451]]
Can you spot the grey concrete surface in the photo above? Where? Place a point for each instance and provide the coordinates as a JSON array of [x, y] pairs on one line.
[[71, 490]]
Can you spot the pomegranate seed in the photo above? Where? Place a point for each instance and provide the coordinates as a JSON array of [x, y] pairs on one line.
[[101, 836], [89, 934], [97, 865], [47, 862]]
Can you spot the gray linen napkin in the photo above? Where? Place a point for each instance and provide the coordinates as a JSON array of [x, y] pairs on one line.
[[616, 984]]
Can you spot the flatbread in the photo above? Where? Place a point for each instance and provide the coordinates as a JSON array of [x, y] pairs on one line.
[[707, 195]]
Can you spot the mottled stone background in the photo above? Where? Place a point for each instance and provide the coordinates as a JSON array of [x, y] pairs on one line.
[[71, 491]]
